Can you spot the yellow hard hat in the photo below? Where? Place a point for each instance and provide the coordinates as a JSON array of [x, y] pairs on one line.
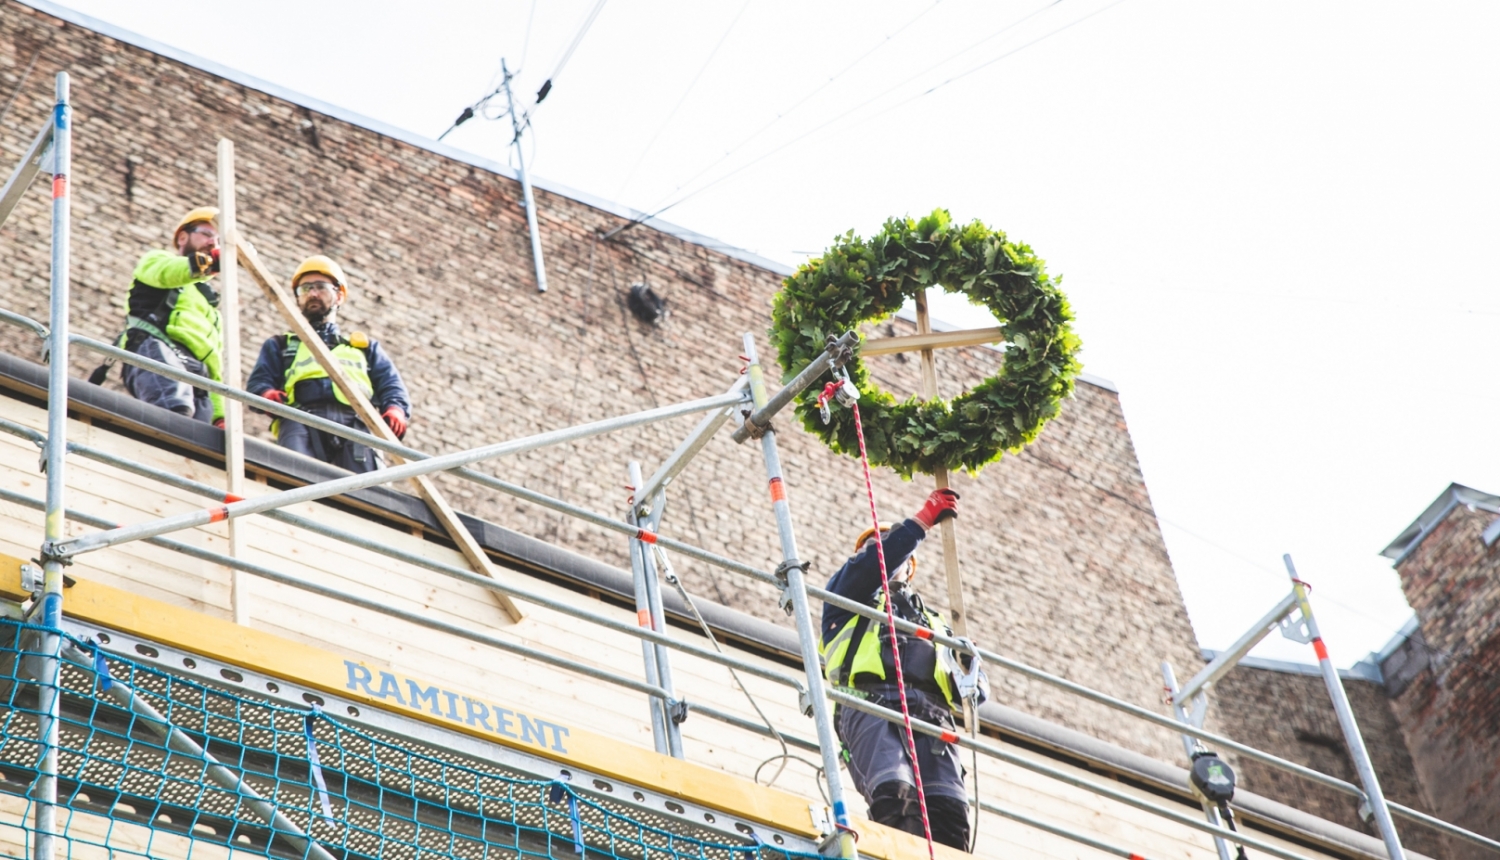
[[202, 213], [859, 542], [324, 266]]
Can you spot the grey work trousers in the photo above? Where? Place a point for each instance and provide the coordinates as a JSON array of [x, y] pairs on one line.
[[157, 390], [327, 447], [879, 762]]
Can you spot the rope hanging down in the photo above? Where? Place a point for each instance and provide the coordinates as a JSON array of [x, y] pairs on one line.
[[890, 619]]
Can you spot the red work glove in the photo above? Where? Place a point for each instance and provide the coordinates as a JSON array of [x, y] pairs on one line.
[[941, 505], [219, 423], [396, 420], [275, 394]]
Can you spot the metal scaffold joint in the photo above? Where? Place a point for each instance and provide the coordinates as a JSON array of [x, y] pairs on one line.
[[785, 600]]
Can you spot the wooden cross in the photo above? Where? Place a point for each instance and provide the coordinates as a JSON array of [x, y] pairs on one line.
[[926, 341]]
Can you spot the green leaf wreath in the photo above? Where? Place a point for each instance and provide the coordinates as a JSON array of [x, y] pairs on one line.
[[861, 281]]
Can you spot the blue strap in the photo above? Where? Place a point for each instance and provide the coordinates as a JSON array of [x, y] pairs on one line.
[[315, 765], [577, 823], [555, 795], [101, 668]]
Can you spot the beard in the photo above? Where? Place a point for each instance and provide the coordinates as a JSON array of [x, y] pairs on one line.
[[317, 314]]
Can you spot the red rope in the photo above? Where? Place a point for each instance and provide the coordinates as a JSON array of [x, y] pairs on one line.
[[890, 618]]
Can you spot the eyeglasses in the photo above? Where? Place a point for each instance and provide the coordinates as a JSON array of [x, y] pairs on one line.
[[315, 287], [208, 231]]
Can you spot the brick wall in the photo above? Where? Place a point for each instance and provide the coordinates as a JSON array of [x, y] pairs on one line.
[[1064, 564], [1450, 711], [1289, 715]]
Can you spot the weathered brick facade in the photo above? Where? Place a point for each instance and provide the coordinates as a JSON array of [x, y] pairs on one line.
[[1288, 714], [1450, 710], [1064, 563]]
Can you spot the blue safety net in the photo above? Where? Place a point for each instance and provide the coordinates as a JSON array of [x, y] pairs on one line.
[[127, 786]]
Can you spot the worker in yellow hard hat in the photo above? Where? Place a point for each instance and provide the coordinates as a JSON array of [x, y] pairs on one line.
[[287, 373], [173, 317], [862, 659]]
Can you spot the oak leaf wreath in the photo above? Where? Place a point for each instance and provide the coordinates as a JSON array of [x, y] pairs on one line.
[[861, 281]]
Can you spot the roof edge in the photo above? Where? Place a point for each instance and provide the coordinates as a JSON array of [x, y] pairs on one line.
[[202, 64], [1364, 670], [1456, 494]]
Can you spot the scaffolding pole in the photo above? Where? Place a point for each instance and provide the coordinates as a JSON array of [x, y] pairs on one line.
[[841, 842], [674, 712], [55, 528], [659, 721], [1192, 747], [676, 709], [1352, 739]]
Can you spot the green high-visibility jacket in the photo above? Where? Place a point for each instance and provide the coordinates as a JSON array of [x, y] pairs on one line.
[[170, 302]]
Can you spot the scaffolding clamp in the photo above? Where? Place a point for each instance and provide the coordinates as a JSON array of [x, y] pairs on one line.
[[752, 429], [677, 709], [840, 351], [804, 702], [785, 601], [56, 550]]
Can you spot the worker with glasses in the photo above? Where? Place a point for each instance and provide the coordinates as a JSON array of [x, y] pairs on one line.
[[172, 316], [288, 373]]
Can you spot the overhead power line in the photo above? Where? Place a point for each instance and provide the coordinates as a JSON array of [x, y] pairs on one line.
[[821, 126], [525, 119], [583, 30], [788, 111], [526, 42], [685, 93]]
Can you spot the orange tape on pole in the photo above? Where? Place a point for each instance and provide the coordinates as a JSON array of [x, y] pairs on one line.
[[1320, 649], [778, 491]]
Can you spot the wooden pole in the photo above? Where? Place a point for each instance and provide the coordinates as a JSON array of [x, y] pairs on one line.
[[292, 315], [234, 411], [958, 617]]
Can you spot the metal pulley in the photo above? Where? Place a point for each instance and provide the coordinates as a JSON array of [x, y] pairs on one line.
[[840, 389]]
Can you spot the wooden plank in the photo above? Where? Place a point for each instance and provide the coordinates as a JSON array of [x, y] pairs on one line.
[[957, 616], [234, 411], [376, 424], [926, 341]]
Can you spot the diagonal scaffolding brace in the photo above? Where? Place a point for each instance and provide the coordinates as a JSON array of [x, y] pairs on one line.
[[178, 741], [60, 550]]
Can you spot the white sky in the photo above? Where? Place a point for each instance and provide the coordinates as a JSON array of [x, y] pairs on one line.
[[1271, 217]]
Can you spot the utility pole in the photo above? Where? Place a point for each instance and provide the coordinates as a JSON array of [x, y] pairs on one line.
[[536, 236]]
